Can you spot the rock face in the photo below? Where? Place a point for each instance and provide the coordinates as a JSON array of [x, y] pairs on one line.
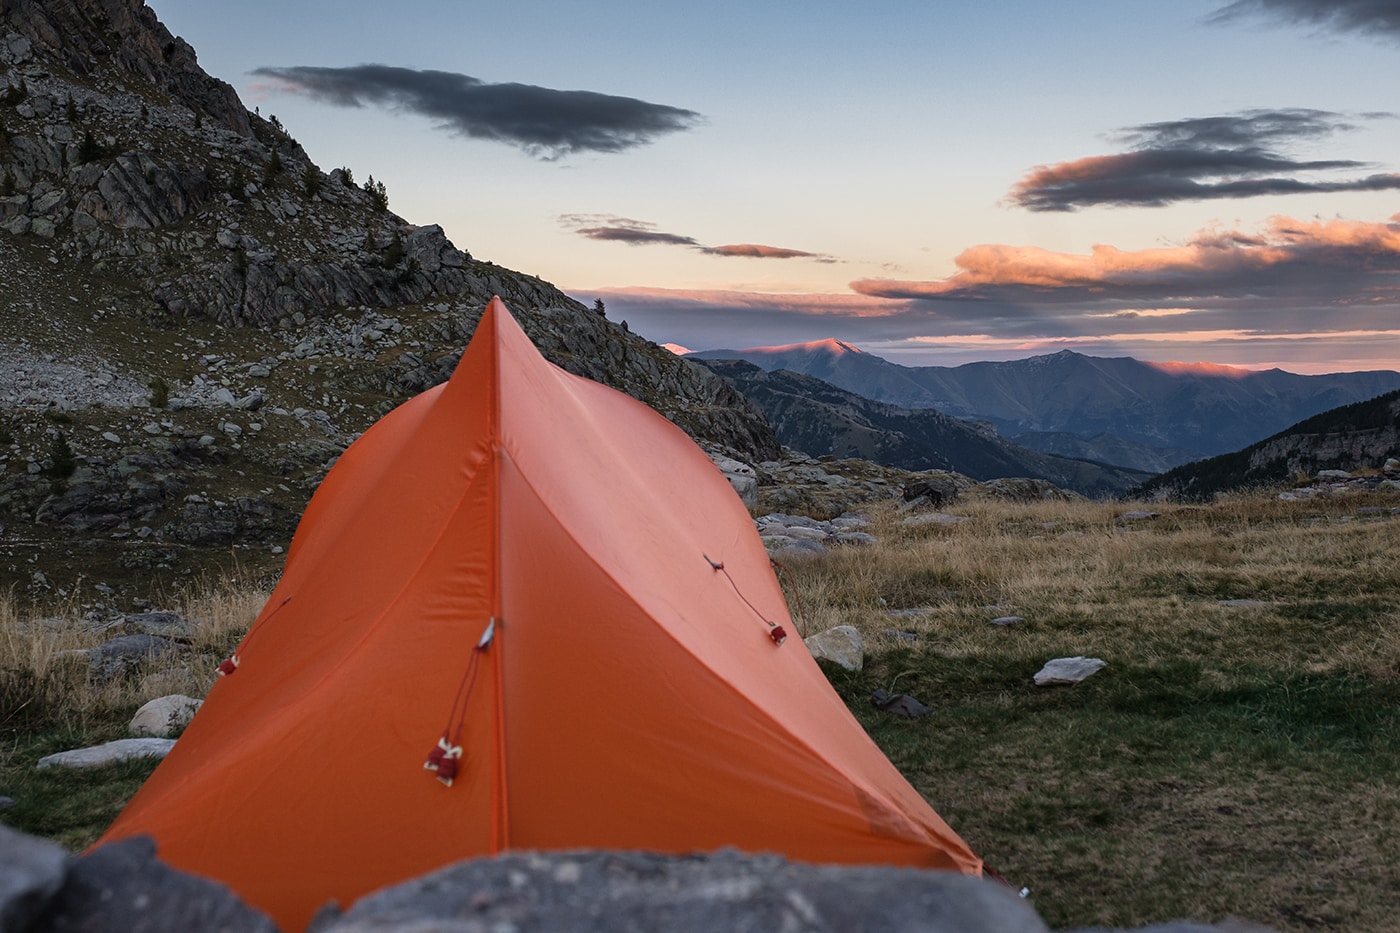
[[195, 319], [1361, 436]]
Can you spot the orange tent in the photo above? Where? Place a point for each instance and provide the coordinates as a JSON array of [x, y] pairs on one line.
[[535, 586]]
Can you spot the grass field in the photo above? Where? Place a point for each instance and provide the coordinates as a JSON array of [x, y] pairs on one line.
[[1236, 758]]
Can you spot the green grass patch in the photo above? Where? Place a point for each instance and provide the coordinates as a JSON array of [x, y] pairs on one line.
[[1153, 791]]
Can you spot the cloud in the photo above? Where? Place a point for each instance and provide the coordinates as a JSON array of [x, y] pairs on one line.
[[758, 251], [607, 227], [1323, 290], [1368, 17], [1206, 158], [542, 121], [1298, 336], [1334, 261], [623, 230]]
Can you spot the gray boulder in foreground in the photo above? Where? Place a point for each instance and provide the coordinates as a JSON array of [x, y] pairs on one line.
[[123, 888], [600, 892], [32, 871]]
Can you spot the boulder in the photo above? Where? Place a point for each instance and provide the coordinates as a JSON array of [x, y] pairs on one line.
[[164, 716], [32, 871], [599, 892], [741, 476], [1068, 671], [841, 645], [125, 653], [108, 753], [122, 886]]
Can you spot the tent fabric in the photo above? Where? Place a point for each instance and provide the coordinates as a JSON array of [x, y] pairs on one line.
[[632, 695]]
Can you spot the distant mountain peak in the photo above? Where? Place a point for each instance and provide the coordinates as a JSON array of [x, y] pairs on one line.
[[676, 349], [830, 345], [1176, 368]]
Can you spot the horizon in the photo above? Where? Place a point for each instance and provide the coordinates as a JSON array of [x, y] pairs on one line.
[[1169, 366], [941, 185]]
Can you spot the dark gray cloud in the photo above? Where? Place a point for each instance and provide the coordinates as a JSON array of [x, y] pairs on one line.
[[607, 227], [1205, 158], [623, 230], [1379, 18], [542, 121]]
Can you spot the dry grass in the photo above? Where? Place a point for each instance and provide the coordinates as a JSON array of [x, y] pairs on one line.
[[1234, 758]]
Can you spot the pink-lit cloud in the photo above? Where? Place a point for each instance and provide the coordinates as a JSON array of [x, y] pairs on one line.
[[1311, 295], [1341, 261]]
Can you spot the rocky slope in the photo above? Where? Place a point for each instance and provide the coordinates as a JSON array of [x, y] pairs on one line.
[[823, 420], [1359, 437], [195, 319]]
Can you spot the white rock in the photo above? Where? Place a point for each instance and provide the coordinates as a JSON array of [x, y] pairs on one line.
[[108, 753], [1068, 671], [164, 715], [841, 644], [741, 477]]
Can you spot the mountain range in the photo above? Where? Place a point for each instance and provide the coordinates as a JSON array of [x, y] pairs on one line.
[[1147, 415], [819, 418]]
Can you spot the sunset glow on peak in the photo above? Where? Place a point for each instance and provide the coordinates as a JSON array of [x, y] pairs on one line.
[[1176, 368]]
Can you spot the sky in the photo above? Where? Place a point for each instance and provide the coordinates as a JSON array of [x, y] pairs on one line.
[[935, 183]]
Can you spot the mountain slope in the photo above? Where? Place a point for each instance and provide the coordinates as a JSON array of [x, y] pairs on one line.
[[1359, 436], [195, 319], [1211, 409], [820, 419]]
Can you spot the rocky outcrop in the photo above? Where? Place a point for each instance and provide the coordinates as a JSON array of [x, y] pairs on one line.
[[1358, 437], [137, 167], [198, 319]]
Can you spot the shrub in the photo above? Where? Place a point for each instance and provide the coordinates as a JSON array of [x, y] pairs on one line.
[[311, 181], [160, 392]]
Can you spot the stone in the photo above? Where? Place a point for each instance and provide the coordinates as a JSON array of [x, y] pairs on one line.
[[741, 477], [1006, 620], [164, 716], [1137, 515], [126, 652], [123, 886], [1333, 474], [600, 892], [1068, 671], [108, 753], [901, 704], [841, 645], [856, 539], [32, 871], [157, 622]]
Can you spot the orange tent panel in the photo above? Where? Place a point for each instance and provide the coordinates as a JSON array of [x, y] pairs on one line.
[[630, 695]]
